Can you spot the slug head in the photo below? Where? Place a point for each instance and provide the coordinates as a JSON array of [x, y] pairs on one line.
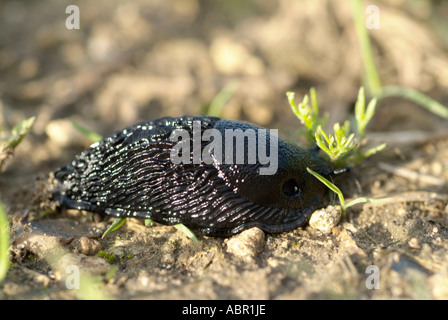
[[290, 186]]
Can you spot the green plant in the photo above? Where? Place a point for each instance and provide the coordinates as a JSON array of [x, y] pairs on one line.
[[417, 97], [338, 192], [217, 104], [9, 143], [342, 147], [308, 115], [7, 146], [116, 224], [337, 146], [372, 79], [91, 135], [4, 243], [187, 232], [108, 256]]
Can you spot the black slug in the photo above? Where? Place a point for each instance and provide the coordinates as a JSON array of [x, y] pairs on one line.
[[187, 170]]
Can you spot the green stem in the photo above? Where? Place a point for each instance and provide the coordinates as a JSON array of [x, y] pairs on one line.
[[222, 98], [372, 77], [4, 243], [417, 97], [332, 187]]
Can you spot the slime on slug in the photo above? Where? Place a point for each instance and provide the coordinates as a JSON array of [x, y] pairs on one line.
[[132, 173]]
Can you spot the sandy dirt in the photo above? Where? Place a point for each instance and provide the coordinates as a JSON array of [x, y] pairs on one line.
[[134, 61]]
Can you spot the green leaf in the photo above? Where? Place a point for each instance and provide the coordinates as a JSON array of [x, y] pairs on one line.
[[348, 142], [319, 135], [302, 111], [372, 76], [417, 97], [332, 187], [148, 222], [117, 223], [14, 139], [187, 232], [335, 189], [370, 110], [360, 105], [220, 100], [4, 243], [92, 136], [362, 115], [365, 200], [336, 146], [18, 133], [374, 150], [314, 103]]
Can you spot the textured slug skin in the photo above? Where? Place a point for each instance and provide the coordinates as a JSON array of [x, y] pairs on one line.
[[130, 174]]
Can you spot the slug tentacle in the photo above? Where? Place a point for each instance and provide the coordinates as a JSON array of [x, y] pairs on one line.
[[131, 173]]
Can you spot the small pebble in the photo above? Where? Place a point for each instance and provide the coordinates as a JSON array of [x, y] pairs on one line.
[[247, 244], [87, 246], [414, 243], [183, 257], [326, 219], [168, 258], [273, 263], [336, 231]]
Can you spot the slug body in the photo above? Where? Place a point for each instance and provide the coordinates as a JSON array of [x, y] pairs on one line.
[[131, 173]]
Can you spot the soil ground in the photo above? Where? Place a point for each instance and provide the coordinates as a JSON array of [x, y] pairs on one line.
[[134, 61]]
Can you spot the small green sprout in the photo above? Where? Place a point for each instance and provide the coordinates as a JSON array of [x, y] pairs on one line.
[[108, 256], [7, 147], [372, 78], [187, 232], [336, 146], [363, 115], [111, 272], [308, 115], [332, 187], [220, 100], [336, 190], [148, 222], [12, 140], [91, 135], [116, 224], [343, 147], [4, 243]]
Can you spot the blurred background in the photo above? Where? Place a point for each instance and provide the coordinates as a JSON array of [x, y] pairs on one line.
[[132, 61]]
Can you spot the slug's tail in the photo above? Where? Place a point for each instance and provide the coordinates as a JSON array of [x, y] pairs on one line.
[[63, 196], [66, 186], [80, 185]]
